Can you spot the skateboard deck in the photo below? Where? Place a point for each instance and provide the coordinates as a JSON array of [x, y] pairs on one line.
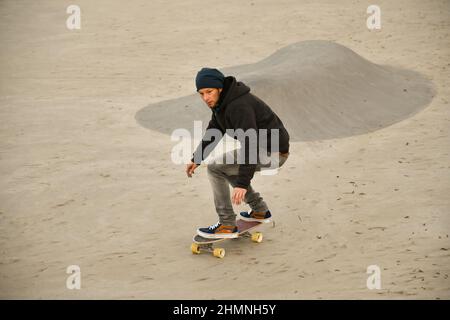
[[244, 227]]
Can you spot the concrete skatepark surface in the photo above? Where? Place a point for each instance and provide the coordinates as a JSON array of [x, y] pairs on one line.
[[87, 178]]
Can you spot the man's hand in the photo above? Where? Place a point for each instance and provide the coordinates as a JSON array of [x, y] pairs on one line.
[[190, 169], [238, 195]]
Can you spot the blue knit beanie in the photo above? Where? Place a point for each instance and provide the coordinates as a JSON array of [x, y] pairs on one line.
[[209, 78]]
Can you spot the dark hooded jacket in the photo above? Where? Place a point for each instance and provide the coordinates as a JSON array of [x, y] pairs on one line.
[[237, 109]]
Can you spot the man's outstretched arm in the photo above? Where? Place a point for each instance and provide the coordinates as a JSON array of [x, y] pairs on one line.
[[208, 138]]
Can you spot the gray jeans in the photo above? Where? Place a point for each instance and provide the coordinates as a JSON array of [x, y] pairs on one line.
[[221, 174]]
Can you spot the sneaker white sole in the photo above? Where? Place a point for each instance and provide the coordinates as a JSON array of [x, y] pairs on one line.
[[217, 236], [268, 220]]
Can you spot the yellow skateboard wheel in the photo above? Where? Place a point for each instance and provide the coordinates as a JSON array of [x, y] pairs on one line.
[[219, 253], [195, 248], [257, 237]]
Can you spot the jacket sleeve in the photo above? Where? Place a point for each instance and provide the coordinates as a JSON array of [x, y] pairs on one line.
[[199, 155], [243, 117]]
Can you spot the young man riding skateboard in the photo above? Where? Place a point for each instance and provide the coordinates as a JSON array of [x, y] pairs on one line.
[[234, 107]]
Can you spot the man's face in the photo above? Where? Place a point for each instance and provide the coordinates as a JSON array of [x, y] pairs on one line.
[[210, 96]]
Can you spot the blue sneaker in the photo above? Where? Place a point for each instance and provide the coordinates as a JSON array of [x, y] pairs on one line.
[[251, 215], [218, 231]]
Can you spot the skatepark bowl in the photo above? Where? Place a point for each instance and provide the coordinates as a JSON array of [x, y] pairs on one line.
[[319, 89]]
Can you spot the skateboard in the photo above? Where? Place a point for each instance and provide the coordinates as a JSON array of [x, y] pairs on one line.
[[244, 227]]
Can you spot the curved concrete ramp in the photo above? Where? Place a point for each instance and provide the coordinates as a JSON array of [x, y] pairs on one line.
[[319, 89]]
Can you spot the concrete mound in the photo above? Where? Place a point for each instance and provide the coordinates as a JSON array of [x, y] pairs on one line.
[[319, 89]]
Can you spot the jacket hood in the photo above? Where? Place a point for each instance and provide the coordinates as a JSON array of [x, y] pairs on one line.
[[232, 90]]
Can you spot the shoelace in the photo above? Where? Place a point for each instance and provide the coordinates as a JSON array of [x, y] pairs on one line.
[[214, 226]]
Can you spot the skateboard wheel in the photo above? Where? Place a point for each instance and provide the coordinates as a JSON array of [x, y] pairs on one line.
[[195, 248], [219, 253], [257, 237]]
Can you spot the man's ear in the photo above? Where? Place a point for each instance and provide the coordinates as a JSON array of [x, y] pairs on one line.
[[220, 90]]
